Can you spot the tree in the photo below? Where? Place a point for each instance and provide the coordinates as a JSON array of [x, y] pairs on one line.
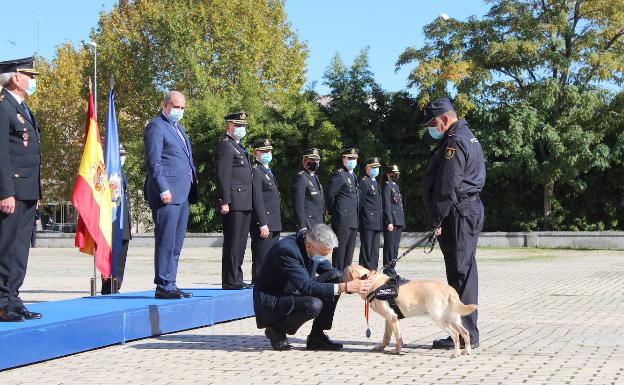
[[60, 105], [538, 67]]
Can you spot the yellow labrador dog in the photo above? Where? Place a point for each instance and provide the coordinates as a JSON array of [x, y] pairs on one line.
[[434, 298]]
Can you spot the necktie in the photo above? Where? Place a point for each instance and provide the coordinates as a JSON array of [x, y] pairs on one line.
[[25, 107], [181, 137]]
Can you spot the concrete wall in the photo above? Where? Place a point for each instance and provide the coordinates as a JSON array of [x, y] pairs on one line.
[[610, 240]]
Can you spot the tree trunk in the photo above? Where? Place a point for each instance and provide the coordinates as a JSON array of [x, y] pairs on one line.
[[549, 189]]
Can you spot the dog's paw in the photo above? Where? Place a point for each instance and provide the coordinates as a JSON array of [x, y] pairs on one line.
[[395, 351], [455, 355], [379, 348], [466, 352]]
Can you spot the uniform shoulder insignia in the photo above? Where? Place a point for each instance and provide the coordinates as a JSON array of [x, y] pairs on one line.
[[225, 139], [1, 98], [339, 170], [300, 172], [450, 152], [255, 166], [363, 178]]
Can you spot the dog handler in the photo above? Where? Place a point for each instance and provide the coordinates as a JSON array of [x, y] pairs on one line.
[[297, 283], [451, 185]]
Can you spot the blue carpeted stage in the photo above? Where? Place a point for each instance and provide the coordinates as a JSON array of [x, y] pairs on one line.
[[81, 324]]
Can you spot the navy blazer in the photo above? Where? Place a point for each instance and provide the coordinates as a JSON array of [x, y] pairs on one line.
[[267, 209], [343, 199], [168, 165], [370, 204], [286, 272]]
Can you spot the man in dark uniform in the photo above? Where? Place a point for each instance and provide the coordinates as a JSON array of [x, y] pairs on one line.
[[126, 234], [451, 185], [308, 196], [234, 189], [342, 200], [20, 183], [394, 218], [370, 215], [296, 284], [266, 217]]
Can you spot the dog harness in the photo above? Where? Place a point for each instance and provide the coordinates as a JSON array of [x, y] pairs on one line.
[[386, 292]]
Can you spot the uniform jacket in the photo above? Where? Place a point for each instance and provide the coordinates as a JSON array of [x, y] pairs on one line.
[[455, 172], [20, 154], [168, 165], [392, 204], [234, 180], [287, 271], [266, 199], [342, 199], [370, 204], [309, 200]]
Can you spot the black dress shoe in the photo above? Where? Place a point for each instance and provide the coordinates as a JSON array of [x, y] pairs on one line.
[[26, 313], [248, 285], [10, 316], [238, 286], [167, 294], [447, 343], [278, 339], [185, 294], [321, 342]]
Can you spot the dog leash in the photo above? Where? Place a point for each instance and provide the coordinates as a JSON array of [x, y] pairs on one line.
[[367, 304], [430, 237]]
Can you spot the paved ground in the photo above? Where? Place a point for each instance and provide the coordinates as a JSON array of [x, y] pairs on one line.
[[546, 317]]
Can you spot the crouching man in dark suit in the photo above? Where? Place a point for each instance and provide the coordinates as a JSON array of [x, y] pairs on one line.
[[297, 283]]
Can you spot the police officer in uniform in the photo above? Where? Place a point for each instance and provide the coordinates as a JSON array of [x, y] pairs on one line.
[[234, 189], [370, 215], [393, 215], [266, 217], [308, 197], [20, 183], [342, 201], [454, 178]]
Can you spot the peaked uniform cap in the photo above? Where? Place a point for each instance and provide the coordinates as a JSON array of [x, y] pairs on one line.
[[434, 109], [312, 153], [373, 162], [350, 152], [237, 117], [24, 65], [263, 144]]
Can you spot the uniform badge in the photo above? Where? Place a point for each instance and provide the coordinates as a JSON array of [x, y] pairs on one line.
[[1, 98], [25, 138], [449, 153], [20, 118], [267, 176], [349, 181]]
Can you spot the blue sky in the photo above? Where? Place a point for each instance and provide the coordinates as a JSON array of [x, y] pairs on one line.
[[387, 27]]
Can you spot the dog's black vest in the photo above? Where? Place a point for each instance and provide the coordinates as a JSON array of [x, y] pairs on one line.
[[388, 292]]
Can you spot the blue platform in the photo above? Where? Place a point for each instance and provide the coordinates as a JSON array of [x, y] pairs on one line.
[[81, 324]]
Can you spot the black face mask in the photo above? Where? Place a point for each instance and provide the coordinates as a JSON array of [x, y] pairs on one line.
[[312, 166], [394, 177]]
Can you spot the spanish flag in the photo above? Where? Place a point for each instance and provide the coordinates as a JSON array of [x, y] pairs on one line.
[[92, 199]]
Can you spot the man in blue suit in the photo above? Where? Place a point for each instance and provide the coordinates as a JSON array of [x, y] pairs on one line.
[[170, 186]]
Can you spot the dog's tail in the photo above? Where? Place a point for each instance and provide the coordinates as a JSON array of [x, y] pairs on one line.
[[459, 307]]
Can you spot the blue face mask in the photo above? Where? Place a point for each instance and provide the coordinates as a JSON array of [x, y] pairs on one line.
[[176, 114], [374, 172], [351, 163], [435, 134], [240, 132], [266, 158], [32, 86]]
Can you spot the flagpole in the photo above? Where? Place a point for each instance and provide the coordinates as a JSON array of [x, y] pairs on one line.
[[93, 280]]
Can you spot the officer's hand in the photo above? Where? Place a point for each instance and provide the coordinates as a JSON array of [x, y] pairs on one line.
[[390, 227], [7, 205], [166, 197], [437, 231], [264, 232], [225, 208], [359, 286]]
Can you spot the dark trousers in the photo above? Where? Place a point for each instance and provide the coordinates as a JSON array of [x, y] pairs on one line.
[[169, 230], [33, 235], [342, 256], [392, 239], [307, 308], [15, 232], [119, 274], [458, 242], [369, 248], [235, 231], [259, 249]]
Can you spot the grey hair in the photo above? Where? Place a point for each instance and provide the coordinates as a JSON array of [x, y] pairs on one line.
[[5, 78], [168, 99], [322, 235]]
